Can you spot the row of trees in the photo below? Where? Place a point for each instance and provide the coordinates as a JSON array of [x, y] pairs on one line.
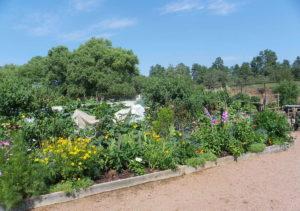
[[97, 69], [264, 67]]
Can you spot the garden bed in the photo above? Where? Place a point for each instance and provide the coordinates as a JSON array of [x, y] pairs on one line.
[[121, 182]]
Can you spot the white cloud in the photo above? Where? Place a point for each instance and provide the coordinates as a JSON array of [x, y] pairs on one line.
[[84, 5], [39, 24], [84, 35], [221, 7], [118, 23], [181, 6], [218, 7], [104, 29]]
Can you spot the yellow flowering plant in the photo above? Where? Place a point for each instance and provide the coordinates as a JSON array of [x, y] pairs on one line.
[[70, 159]]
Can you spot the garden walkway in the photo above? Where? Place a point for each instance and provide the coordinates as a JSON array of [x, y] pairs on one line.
[[267, 182]]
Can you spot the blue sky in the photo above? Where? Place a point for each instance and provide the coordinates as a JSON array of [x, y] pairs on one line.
[[158, 31]]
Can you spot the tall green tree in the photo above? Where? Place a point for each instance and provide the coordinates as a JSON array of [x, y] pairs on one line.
[[198, 73], [98, 69], [157, 70], [264, 63], [57, 63]]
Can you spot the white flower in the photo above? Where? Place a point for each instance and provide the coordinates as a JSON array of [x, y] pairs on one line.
[[0, 173], [138, 159]]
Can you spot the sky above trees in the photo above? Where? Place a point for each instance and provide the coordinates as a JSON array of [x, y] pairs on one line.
[[164, 32]]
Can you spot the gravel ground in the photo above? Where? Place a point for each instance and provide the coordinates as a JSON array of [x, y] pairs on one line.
[[267, 182]]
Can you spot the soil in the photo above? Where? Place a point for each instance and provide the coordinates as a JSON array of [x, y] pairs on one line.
[[113, 175], [267, 182]]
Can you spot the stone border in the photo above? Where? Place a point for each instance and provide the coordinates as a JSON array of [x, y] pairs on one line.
[[59, 197]]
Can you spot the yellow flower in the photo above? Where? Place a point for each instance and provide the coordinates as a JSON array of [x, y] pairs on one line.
[[72, 164], [134, 126]]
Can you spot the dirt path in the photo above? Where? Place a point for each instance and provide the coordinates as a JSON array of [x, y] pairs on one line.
[[267, 182]]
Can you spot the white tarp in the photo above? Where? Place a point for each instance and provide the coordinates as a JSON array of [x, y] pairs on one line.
[[133, 108], [57, 108], [82, 119]]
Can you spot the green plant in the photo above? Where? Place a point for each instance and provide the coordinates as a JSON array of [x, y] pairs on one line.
[[48, 125], [165, 119], [69, 159], [136, 166], [21, 178], [274, 123], [71, 186], [288, 92], [200, 159], [235, 147], [257, 147], [160, 155], [208, 138], [243, 132], [120, 152]]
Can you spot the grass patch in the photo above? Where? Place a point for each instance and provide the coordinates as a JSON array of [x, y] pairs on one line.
[[257, 147]]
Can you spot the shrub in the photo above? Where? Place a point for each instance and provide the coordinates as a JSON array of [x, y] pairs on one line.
[[201, 159], [243, 132], [235, 147], [289, 92], [121, 152], [160, 155], [208, 139], [20, 177], [15, 96], [71, 186], [136, 167], [70, 159], [48, 125], [165, 119], [257, 147], [274, 123]]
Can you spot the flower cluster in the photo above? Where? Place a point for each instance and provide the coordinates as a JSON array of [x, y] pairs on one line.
[[152, 135], [224, 116], [72, 156], [5, 143]]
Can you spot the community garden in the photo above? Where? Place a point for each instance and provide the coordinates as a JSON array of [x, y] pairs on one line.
[[42, 150]]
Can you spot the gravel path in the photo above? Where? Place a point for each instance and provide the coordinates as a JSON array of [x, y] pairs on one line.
[[267, 182]]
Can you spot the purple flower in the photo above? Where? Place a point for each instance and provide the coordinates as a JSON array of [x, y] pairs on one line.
[[4, 143], [214, 121], [224, 116]]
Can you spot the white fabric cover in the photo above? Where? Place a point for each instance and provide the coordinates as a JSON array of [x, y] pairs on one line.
[[83, 120]]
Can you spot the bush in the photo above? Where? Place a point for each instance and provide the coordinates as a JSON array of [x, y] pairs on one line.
[[165, 119], [71, 186], [48, 125], [274, 123], [257, 147], [121, 152], [243, 132], [235, 147], [201, 159], [289, 92], [160, 155], [208, 139], [70, 159], [15, 96], [21, 178]]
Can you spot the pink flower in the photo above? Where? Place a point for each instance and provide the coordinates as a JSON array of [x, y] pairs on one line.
[[224, 116], [4, 143]]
